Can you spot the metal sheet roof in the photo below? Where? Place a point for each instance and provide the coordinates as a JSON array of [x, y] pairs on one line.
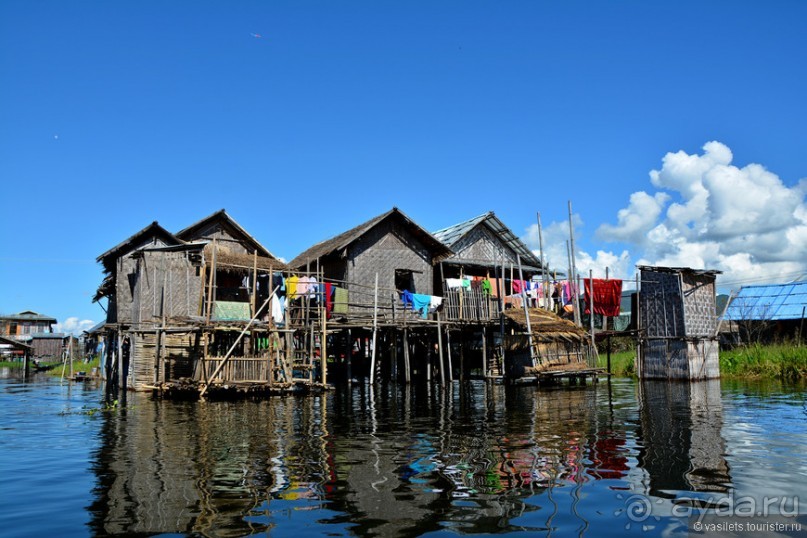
[[452, 234], [768, 303]]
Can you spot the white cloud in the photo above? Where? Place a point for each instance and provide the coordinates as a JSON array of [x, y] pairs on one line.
[[73, 325], [743, 221], [636, 219]]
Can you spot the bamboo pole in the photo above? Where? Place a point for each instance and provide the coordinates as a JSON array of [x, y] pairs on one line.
[[544, 275], [407, 371], [234, 344], [591, 304], [526, 311], [448, 345], [440, 351], [573, 275], [375, 330], [484, 351], [323, 346]]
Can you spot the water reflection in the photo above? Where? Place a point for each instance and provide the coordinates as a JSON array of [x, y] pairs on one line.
[[402, 461], [682, 448]]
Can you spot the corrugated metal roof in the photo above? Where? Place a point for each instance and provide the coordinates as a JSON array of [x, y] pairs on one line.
[[449, 236], [768, 303]]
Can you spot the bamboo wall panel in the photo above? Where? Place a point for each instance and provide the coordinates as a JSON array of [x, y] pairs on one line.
[[383, 250], [481, 245]]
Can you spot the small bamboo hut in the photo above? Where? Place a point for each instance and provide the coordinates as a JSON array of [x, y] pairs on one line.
[[560, 348], [677, 324]]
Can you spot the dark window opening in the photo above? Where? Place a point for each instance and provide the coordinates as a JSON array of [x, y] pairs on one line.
[[404, 280]]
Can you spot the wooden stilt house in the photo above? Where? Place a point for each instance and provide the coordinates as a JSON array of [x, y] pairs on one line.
[[177, 306], [484, 249], [391, 246], [677, 324]]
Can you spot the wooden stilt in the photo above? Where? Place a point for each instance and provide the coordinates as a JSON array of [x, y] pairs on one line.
[[440, 350], [407, 372]]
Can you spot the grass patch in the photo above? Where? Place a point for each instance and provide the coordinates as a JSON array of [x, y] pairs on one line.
[[78, 366], [779, 361], [621, 363]]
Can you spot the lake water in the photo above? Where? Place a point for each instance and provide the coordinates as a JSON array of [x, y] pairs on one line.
[[478, 459]]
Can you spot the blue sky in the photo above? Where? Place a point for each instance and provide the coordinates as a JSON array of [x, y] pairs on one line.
[[116, 114]]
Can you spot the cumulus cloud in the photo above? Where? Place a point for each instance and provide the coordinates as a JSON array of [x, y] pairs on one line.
[[711, 214], [72, 325]]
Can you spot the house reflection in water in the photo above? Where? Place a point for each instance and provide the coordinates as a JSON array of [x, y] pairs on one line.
[[682, 447], [386, 460]]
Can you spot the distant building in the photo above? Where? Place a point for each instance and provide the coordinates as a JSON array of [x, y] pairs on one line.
[[36, 331], [26, 323], [773, 312]]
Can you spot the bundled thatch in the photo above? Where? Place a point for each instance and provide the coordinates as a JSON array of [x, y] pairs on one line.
[[547, 325], [225, 258]]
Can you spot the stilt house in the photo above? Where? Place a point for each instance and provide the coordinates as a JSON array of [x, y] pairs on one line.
[[484, 249], [677, 324], [391, 246], [175, 301]]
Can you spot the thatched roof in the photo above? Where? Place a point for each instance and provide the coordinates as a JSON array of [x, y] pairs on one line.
[[544, 322], [222, 218], [138, 240], [227, 258], [344, 239]]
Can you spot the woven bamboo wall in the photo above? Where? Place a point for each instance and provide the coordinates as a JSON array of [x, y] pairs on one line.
[[177, 357], [167, 285], [481, 245], [680, 358], [661, 304], [386, 248], [699, 304]]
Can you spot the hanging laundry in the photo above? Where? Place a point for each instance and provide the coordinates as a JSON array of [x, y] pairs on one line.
[[313, 287], [328, 299], [486, 287], [340, 298], [303, 285], [466, 283], [406, 299], [607, 296], [435, 303], [421, 303], [518, 286], [453, 283], [278, 308], [291, 287]]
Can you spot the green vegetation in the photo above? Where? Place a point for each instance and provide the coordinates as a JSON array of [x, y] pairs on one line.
[[779, 361], [78, 366], [621, 363]]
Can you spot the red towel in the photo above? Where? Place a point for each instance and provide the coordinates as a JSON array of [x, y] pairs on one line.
[[607, 296]]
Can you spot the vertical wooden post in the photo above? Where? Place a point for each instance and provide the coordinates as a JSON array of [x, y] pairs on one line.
[[121, 373], [407, 371], [591, 305], [349, 358], [448, 345], [323, 346], [544, 275], [484, 351], [638, 330], [526, 311], [440, 350], [375, 330], [573, 274]]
